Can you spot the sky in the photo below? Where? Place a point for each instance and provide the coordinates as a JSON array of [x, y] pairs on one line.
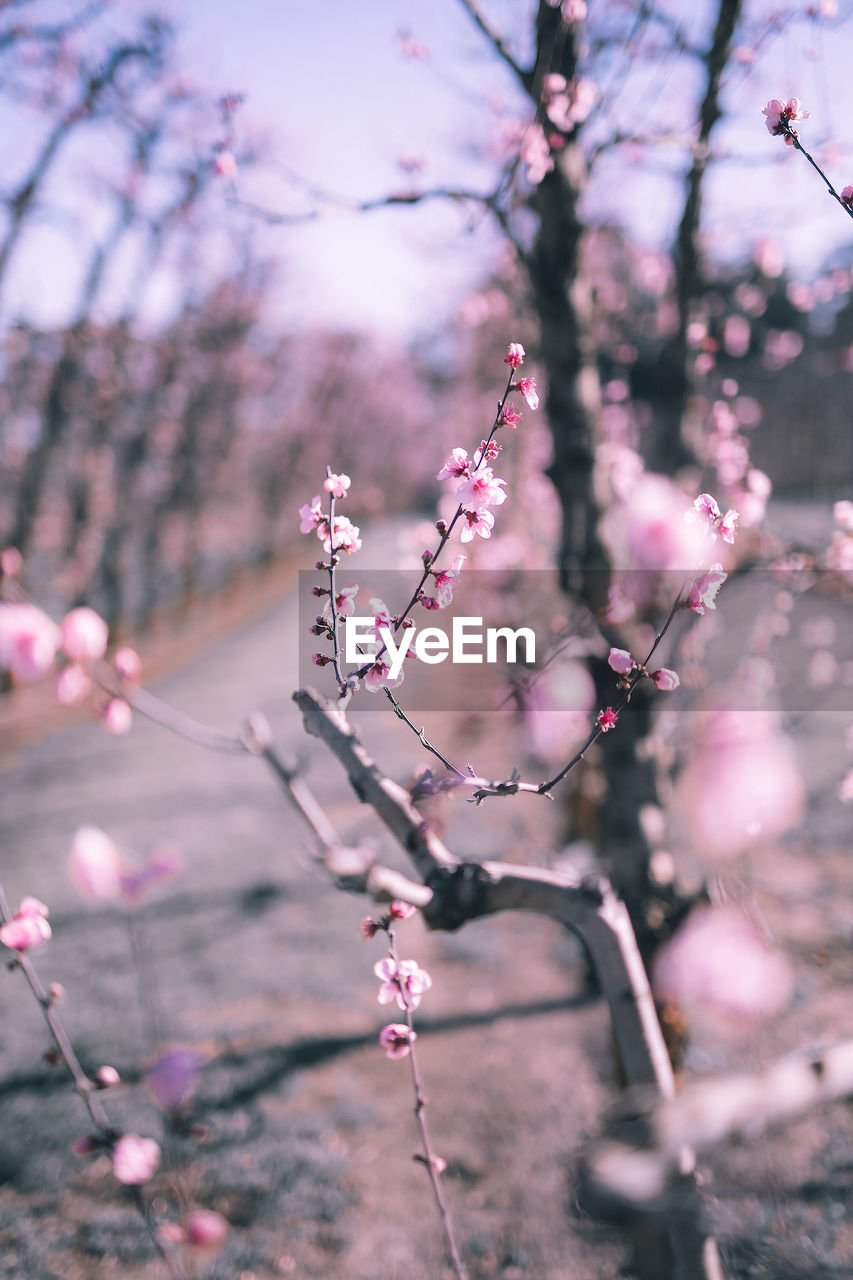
[[327, 88]]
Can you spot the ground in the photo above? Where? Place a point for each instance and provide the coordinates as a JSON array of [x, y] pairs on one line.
[[302, 1131]]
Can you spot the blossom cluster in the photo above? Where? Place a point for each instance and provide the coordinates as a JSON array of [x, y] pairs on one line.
[[477, 490], [779, 118], [621, 661], [31, 642]]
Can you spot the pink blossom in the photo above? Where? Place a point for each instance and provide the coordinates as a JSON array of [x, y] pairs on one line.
[[666, 680], [847, 196], [703, 592], [717, 958], [337, 485], [403, 981], [135, 1159], [481, 522], [573, 11], [73, 684], [480, 490], [161, 865], [446, 581], [400, 910], [83, 635], [378, 677], [396, 1039], [607, 719], [344, 604], [527, 388], [706, 513], [346, 536], [115, 715], [11, 563], [27, 928], [95, 864], [456, 464], [728, 526], [128, 664], [224, 164], [742, 785], [487, 452], [704, 508], [510, 416], [205, 1230], [780, 116], [311, 515], [172, 1075], [621, 661], [536, 154], [107, 1077], [28, 641], [514, 355], [842, 513], [381, 616]]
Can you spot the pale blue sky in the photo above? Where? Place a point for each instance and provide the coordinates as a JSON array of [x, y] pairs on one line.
[[338, 104]]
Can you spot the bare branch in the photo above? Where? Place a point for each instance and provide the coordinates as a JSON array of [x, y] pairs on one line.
[[708, 1113], [497, 42]]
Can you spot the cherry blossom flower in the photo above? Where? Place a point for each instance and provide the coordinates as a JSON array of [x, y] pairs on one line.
[[95, 864], [780, 116], [741, 785], [396, 1039], [115, 715], [83, 635], [527, 387], [311, 515], [128, 664], [27, 928], [728, 526], [11, 562], [337, 485], [481, 522], [536, 154], [446, 581], [205, 1230], [344, 604], [135, 1159], [718, 959], [482, 489], [345, 536], [456, 464], [73, 684], [403, 981], [381, 616], [665, 680], [400, 910], [172, 1075], [28, 641], [705, 512], [487, 452], [107, 1077], [621, 661], [514, 355], [703, 593], [842, 513], [847, 196], [510, 416], [607, 719], [370, 928], [224, 164], [378, 677]]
